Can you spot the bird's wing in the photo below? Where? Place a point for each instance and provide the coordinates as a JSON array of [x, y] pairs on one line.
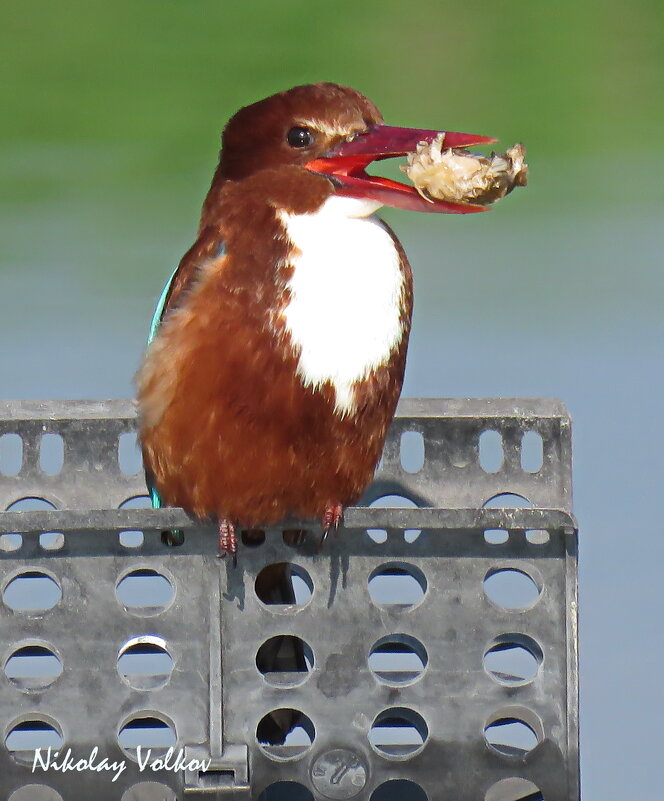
[[208, 245]]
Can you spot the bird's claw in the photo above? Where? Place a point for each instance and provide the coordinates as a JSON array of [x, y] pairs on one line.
[[333, 517], [227, 541]]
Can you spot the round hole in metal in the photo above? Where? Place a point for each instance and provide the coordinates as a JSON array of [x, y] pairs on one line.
[[514, 788], [295, 537], [51, 454], [131, 538], [538, 536], [285, 660], [33, 666], [136, 502], [379, 535], [532, 452], [286, 791], [129, 454], [511, 588], [32, 591], [145, 663], [52, 540], [507, 500], [411, 534], [145, 591], [49, 540], [496, 536], [399, 790], [148, 791], [398, 733], [513, 659], [398, 659], [397, 585], [147, 730], [491, 451], [35, 792], [32, 732], [513, 731], [10, 542], [285, 733], [283, 585], [11, 454], [411, 451], [252, 537], [31, 503], [172, 539]]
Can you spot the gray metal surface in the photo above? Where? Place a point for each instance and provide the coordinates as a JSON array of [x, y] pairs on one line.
[[448, 625]]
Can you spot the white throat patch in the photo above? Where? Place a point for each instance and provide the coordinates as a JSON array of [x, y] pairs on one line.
[[346, 294]]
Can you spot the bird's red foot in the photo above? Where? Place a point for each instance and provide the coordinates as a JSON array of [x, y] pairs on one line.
[[333, 517], [227, 540]]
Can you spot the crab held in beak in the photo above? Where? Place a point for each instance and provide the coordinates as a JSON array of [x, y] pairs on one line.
[[346, 167]]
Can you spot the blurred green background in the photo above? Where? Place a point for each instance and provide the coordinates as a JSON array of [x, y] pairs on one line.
[[111, 120]]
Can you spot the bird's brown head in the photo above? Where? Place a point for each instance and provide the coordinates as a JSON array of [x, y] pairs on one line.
[[293, 128], [328, 131]]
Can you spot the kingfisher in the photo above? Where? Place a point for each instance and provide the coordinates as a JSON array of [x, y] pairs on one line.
[[278, 347]]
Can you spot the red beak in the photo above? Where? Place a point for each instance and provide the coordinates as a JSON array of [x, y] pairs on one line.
[[346, 166]]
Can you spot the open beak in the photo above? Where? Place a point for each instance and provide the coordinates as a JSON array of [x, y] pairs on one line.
[[346, 167]]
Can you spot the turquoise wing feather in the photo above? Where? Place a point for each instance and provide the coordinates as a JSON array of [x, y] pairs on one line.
[[159, 308], [154, 327]]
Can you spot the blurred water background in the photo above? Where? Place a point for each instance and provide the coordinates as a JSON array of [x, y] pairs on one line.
[[111, 116]]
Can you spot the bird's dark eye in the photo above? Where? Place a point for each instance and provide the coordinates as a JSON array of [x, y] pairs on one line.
[[300, 137]]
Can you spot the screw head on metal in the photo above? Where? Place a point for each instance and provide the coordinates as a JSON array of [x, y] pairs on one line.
[[339, 773]]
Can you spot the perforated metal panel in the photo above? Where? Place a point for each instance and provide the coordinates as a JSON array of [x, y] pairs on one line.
[[440, 640]]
